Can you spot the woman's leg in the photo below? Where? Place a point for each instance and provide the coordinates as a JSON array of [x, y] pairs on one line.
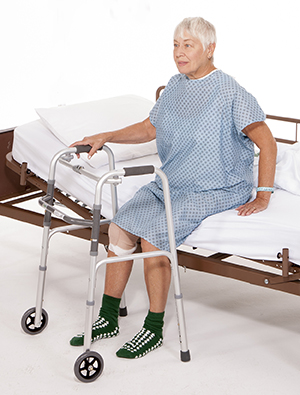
[[117, 275], [157, 277], [157, 273]]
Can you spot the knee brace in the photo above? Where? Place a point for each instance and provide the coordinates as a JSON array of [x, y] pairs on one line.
[[121, 242]]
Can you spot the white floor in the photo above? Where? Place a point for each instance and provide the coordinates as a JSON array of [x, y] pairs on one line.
[[243, 339]]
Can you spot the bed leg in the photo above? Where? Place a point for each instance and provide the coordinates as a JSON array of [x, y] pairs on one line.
[[285, 261], [23, 174]]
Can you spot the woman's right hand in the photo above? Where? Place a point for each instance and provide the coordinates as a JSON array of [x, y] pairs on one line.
[[96, 142], [138, 133]]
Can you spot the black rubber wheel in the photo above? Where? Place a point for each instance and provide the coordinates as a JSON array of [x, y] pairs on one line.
[[27, 322], [88, 366]]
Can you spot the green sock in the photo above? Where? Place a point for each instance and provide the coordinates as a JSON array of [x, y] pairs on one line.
[[147, 339], [155, 322], [110, 309], [106, 325]]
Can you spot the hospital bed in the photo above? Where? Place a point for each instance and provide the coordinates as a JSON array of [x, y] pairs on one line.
[[270, 240]]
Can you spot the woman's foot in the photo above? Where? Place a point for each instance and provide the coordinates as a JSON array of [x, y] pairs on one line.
[[141, 344], [149, 338], [106, 325], [102, 329]]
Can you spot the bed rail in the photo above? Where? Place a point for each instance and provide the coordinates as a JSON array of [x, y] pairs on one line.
[[290, 120]]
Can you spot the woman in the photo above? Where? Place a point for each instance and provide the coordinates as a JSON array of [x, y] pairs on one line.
[[205, 125]]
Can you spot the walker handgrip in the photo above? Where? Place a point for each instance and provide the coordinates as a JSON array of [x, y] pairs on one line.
[[138, 170], [84, 148]]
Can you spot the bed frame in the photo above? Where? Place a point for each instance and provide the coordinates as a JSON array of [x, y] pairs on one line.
[[19, 184]]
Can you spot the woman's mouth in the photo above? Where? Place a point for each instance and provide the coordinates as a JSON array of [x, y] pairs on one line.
[[181, 64]]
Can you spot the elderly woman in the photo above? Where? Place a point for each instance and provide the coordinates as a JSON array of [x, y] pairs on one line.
[[205, 125]]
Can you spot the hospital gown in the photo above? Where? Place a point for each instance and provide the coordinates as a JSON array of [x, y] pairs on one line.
[[204, 153]]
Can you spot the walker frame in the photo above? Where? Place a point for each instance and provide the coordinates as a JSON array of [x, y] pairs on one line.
[[89, 365]]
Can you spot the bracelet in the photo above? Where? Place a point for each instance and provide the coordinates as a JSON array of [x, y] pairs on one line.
[[265, 189]]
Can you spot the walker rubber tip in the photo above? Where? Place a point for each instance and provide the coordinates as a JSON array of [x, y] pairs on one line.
[[185, 356], [123, 311]]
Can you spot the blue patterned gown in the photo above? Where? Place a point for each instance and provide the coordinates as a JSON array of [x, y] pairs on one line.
[[204, 153]]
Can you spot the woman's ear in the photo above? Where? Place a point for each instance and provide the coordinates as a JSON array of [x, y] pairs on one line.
[[210, 50]]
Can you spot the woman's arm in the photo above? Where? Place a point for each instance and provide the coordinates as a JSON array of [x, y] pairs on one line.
[[140, 132], [261, 135]]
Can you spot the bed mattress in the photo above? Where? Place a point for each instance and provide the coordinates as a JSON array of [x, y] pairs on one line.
[[259, 236]]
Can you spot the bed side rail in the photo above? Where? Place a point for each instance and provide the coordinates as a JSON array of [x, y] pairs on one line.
[[290, 120]]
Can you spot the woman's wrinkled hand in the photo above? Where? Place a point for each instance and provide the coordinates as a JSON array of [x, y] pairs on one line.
[[254, 207], [96, 142]]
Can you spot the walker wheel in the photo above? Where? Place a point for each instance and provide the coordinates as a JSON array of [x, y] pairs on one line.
[[27, 322], [88, 366]]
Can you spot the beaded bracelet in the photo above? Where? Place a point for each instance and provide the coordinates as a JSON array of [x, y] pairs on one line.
[[265, 189]]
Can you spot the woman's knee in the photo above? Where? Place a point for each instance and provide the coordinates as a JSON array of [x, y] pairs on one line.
[[121, 242], [148, 247]]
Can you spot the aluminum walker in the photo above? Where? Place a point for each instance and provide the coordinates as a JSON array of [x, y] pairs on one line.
[[89, 365]]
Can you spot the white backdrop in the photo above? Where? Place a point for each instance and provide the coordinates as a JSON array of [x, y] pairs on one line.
[[68, 51]]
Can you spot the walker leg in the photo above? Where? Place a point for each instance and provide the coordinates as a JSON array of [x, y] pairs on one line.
[[184, 351], [35, 319], [90, 303], [89, 365], [185, 354], [44, 254], [42, 276]]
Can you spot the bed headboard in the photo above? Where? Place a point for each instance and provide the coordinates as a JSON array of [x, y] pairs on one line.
[[274, 117]]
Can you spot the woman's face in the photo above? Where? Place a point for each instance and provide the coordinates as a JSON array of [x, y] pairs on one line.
[[190, 58]]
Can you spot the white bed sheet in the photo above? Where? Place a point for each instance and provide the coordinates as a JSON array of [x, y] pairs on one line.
[[259, 236]]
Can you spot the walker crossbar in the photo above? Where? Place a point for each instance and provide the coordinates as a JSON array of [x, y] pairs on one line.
[[58, 213]]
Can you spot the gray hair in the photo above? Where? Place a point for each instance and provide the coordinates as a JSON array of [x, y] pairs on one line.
[[198, 28]]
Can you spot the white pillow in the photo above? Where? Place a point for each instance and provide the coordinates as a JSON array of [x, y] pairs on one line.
[[73, 122], [287, 175], [287, 170]]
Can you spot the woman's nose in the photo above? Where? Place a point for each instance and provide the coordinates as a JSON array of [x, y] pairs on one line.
[[178, 52]]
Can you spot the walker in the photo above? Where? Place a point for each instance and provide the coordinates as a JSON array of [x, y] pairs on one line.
[[89, 365]]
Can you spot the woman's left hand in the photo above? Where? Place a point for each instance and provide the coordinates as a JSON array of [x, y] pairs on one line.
[[257, 205]]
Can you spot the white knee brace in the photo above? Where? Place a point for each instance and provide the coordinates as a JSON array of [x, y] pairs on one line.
[[121, 242], [120, 251]]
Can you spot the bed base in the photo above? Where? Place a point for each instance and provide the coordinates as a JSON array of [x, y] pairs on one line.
[[219, 264], [19, 184]]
